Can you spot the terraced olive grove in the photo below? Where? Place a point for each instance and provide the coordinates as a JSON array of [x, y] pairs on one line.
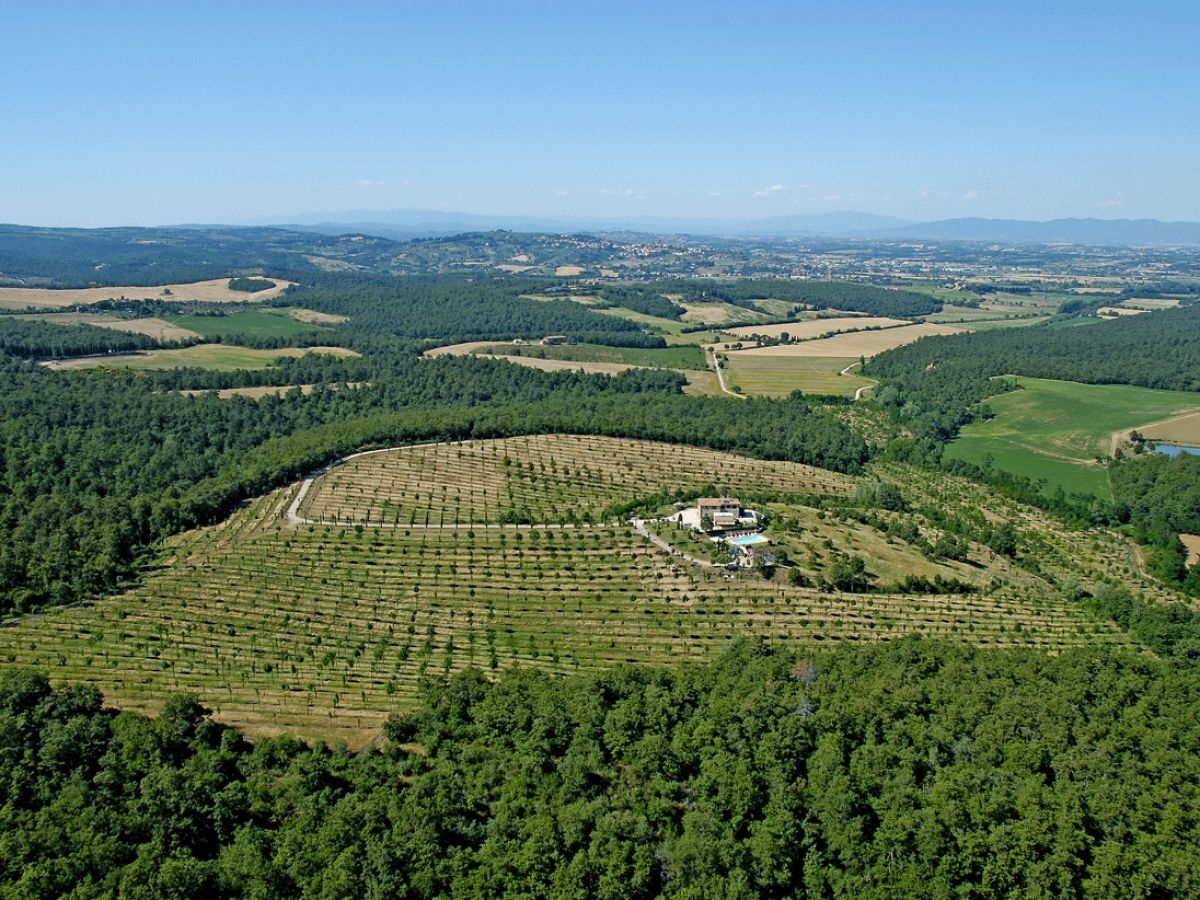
[[323, 629]]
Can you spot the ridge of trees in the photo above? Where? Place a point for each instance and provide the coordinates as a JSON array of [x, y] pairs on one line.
[[36, 339], [851, 296], [456, 309], [97, 466], [908, 768]]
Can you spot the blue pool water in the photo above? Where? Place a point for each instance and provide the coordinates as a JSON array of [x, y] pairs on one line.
[[1176, 450], [749, 539]]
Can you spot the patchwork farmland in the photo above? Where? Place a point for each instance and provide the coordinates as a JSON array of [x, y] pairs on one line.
[[323, 629], [214, 290]]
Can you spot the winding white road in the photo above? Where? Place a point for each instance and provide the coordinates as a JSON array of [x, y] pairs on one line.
[[713, 363]]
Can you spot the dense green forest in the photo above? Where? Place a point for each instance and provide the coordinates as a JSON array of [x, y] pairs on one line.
[[1160, 350], [250, 285], [1160, 497], [35, 339], [897, 770], [96, 466], [455, 309]]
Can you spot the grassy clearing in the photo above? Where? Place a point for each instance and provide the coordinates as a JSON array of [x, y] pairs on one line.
[[654, 323], [221, 357], [254, 322], [702, 384], [1057, 430], [1179, 430], [322, 630], [215, 290], [778, 376], [159, 329], [717, 313], [312, 317], [776, 309]]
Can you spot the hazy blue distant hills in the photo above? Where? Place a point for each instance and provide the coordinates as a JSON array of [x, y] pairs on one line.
[[406, 224], [1135, 232]]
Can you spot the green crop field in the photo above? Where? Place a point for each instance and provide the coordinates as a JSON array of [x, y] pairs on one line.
[[318, 609], [1058, 430], [778, 376], [255, 322]]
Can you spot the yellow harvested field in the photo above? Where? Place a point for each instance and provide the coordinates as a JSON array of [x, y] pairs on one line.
[[461, 349], [860, 343], [159, 329], [568, 271], [215, 290], [1152, 303], [569, 365], [312, 317], [815, 328], [1183, 429], [221, 357], [1192, 542], [1112, 311]]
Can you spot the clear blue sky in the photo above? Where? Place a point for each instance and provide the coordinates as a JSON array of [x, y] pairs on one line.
[[129, 113]]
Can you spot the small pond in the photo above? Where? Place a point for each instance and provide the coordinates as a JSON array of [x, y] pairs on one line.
[[1176, 450]]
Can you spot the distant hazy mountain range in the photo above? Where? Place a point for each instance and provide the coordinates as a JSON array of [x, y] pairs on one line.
[[410, 223], [406, 224]]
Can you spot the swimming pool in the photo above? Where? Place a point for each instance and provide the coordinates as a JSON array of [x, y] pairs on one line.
[[748, 539]]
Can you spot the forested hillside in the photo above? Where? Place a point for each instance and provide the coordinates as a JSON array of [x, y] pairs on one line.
[[1159, 350], [898, 770], [95, 467], [1160, 497], [79, 257], [33, 339], [454, 309]]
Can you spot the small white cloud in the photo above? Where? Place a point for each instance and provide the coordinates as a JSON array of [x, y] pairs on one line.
[[605, 192], [368, 183], [773, 189], [629, 192], [832, 197], [1114, 202], [562, 193], [714, 193], [971, 195]]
